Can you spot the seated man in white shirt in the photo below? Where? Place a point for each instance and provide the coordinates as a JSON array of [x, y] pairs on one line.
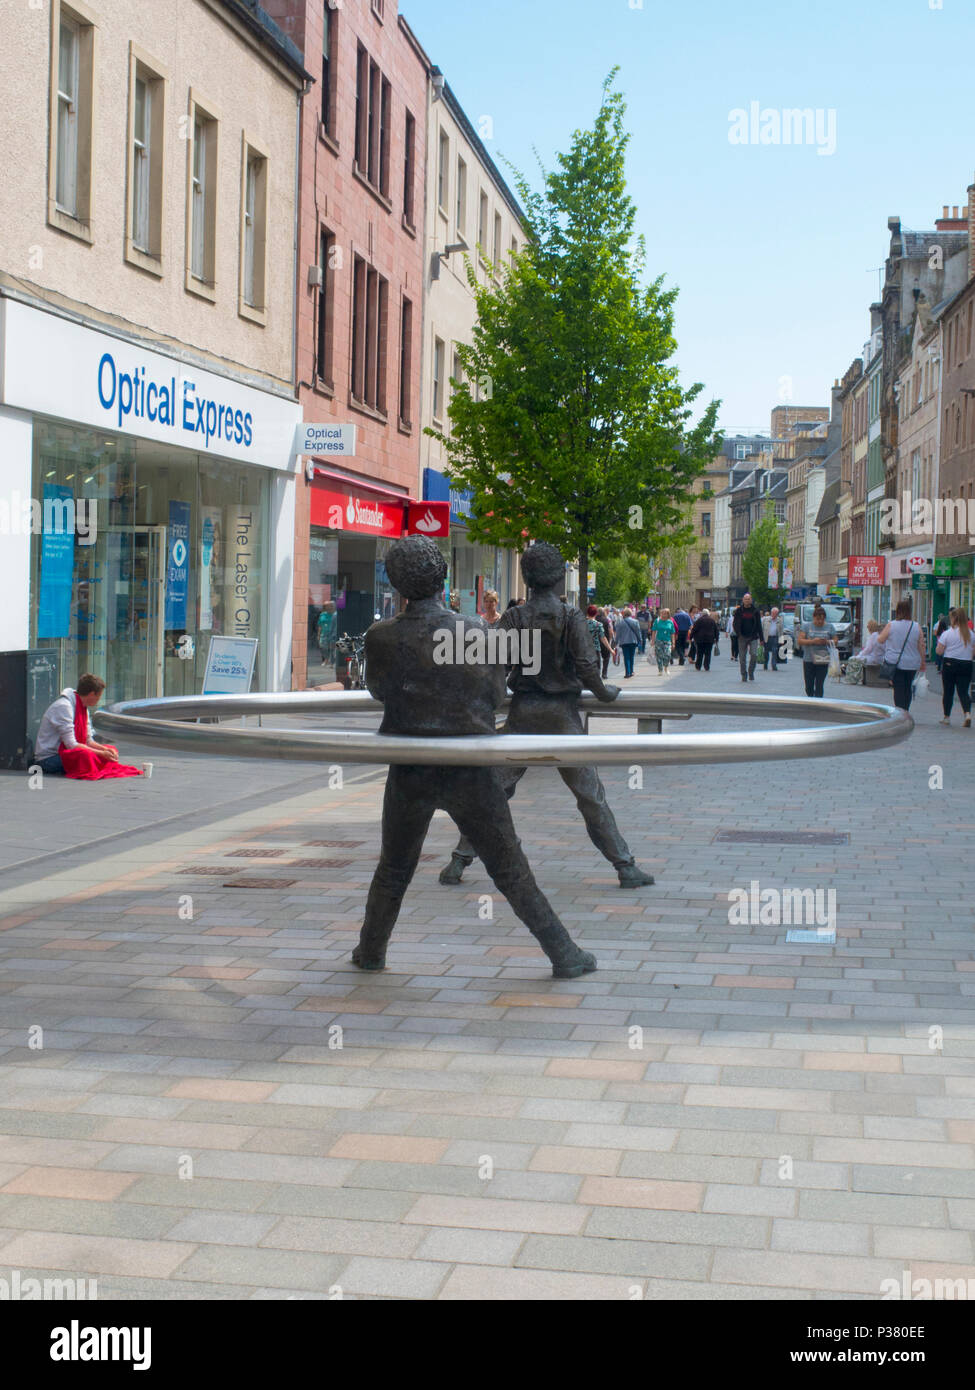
[[57, 727]]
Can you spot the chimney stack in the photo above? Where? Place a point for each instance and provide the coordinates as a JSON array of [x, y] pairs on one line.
[[971, 231]]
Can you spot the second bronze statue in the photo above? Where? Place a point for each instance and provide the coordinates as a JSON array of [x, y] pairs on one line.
[[545, 701]]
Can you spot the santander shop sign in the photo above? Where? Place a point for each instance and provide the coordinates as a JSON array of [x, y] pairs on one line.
[[349, 511]]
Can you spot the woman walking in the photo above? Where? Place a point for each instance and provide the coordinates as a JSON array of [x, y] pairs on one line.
[[903, 650], [628, 639], [603, 617], [491, 614], [957, 652], [814, 638], [704, 635], [663, 632]]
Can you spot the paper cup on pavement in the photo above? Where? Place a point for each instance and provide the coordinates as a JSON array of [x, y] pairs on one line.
[[147, 769]]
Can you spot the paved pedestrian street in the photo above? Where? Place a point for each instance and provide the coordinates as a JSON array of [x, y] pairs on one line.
[[201, 1098]]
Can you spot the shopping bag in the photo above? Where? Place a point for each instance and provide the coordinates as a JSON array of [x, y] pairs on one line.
[[835, 669], [616, 656], [922, 685]]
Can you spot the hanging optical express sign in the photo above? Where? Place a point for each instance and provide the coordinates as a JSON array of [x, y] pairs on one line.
[[70, 372]]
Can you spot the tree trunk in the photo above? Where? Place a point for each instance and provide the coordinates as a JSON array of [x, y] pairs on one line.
[[583, 577]]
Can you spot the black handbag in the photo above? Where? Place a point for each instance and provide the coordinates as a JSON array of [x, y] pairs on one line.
[[887, 670]]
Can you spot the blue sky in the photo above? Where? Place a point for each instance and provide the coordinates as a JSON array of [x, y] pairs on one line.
[[774, 247]]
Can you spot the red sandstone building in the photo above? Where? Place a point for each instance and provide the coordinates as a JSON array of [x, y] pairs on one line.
[[362, 163]]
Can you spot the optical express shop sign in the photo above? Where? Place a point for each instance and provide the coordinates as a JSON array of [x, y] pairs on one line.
[[73, 373]]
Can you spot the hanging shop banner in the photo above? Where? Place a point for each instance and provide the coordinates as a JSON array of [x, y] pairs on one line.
[[242, 611], [230, 666], [428, 519], [347, 511], [177, 565], [57, 562], [211, 562]]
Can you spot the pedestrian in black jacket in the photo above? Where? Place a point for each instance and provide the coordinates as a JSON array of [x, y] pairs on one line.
[[747, 627], [704, 634]]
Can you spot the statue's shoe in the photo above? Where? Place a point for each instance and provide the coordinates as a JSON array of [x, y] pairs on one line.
[[579, 964], [454, 871], [631, 876], [367, 963]]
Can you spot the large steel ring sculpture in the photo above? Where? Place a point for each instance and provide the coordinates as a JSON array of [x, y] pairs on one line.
[[851, 727]]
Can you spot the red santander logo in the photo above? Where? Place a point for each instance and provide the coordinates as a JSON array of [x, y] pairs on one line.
[[428, 519]]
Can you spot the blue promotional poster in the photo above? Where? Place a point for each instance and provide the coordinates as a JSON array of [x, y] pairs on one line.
[[57, 563], [177, 564]]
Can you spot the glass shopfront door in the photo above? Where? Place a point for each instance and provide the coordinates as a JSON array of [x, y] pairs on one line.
[[136, 587]]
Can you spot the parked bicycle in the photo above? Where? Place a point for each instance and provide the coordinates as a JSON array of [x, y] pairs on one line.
[[353, 650]]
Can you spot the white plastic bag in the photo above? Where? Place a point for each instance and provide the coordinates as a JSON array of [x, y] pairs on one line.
[[835, 670], [922, 685]]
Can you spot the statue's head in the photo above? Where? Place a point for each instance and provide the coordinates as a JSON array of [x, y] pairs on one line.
[[542, 566], [416, 567]]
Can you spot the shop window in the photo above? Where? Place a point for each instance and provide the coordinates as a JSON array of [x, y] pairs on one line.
[[253, 233], [109, 604], [201, 212], [70, 136]]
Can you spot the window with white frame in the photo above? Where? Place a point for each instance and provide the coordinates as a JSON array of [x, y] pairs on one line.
[[202, 199], [69, 55], [482, 223], [442, 172], [147, 87], [438, 381], [461, 209], [72, 58], [253, 230]]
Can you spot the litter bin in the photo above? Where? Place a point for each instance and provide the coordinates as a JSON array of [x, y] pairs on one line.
[[29, 683]]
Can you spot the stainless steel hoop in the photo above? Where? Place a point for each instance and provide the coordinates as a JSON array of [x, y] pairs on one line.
[[854, 728]]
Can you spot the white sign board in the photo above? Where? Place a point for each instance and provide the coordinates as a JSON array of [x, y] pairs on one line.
[[230, 665], [325, 441], [75, 373], [917, 562]]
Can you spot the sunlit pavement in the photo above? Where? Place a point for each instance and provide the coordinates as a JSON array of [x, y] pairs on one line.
[[221, 1107]]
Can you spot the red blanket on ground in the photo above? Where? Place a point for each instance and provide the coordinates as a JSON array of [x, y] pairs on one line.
[[86, 764]]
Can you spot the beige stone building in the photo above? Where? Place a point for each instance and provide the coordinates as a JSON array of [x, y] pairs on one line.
[[692, 582], [147, 291]]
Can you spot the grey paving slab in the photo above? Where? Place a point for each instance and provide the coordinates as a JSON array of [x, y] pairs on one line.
[[242, 1048]]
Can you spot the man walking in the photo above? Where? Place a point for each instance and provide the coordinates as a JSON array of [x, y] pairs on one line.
[[423, 698], [682, 622], [772, 630], [747, 628], [545, 700]]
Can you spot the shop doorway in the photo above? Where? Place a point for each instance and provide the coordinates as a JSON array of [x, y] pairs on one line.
[[136, 597]]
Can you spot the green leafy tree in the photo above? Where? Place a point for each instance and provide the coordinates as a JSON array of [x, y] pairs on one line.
[[766, 542], [571, 424], [622, 579]]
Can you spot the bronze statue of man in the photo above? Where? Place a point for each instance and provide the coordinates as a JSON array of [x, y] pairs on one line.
[[425, 697], [545, 701]]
